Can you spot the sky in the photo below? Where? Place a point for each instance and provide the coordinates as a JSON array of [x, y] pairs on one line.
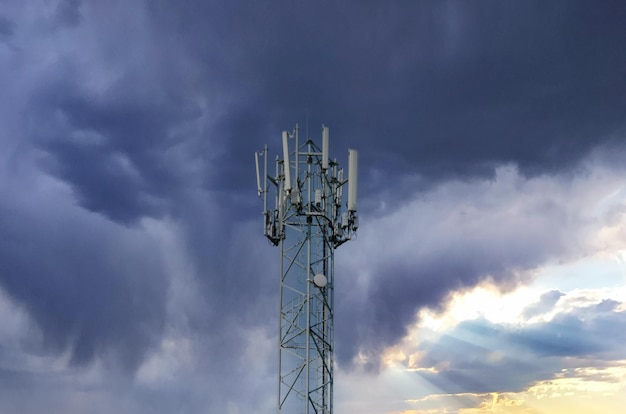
[[489, 272]]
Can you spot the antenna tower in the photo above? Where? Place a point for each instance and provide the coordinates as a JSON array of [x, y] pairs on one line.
[[308, 222]]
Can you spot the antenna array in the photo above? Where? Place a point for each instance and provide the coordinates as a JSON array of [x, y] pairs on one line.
[[308, 222]]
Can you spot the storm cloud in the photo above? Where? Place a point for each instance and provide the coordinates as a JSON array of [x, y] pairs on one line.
[[131, 249]]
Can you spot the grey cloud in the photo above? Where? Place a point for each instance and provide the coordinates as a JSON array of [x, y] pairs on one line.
[[7, 28], [562, 337], [581, 333], [476, 369], [545, 304], [92, 290], [156, 114], [130, 145], [116, 149], [68, 13]]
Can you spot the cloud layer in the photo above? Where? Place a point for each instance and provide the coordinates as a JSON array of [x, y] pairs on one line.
[[132, 269], [458, 235]]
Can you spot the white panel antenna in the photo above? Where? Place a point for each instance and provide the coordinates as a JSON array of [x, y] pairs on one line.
[[324, 147], [286, 166], [339, 195], [258, 174], [353, 160]]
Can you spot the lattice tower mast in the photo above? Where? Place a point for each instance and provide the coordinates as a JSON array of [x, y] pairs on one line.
[[308, 222]]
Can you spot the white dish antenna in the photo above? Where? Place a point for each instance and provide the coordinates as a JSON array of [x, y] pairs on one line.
[[320, 280]]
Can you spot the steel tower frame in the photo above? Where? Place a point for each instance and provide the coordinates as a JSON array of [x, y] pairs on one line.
[[307, 223]]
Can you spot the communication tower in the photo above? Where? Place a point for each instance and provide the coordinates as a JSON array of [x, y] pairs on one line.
[[307, 222]]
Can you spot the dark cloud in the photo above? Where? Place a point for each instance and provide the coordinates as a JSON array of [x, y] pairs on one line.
[[7, 28], [118, 149], [91, 290], [446, 89], [452, 89], [127, 135], [151, 111], [68, 12]]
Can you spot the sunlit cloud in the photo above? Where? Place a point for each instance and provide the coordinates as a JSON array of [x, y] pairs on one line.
[[581, 390]]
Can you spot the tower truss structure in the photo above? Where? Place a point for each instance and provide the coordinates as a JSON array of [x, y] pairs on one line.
[[307, 222]]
